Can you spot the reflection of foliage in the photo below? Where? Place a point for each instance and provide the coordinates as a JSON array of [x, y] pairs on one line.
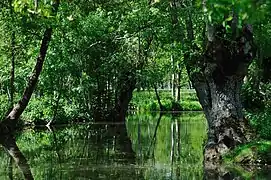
[[54, 155], [94, 151], [192, 132]]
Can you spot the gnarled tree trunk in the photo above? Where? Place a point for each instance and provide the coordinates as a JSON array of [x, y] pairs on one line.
[[217, 75], [218, 87]]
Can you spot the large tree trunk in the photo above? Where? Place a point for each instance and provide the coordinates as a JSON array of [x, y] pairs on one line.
[[218, 87], [217, 75], [227, 126]]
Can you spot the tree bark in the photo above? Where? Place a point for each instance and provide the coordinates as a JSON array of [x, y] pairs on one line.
[[223, 65], [15, 113], [179, 74], [218, 87]]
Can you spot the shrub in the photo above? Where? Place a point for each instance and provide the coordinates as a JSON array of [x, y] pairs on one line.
[[262, 122], [153, 106]]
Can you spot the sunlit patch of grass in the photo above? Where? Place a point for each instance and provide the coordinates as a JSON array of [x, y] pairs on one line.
[[147, 101]]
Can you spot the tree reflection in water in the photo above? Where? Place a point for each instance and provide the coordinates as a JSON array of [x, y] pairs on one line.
[[9, 143], [146, 147]]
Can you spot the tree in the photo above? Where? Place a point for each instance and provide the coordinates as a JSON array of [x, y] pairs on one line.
[[8, 125], [217, 74]]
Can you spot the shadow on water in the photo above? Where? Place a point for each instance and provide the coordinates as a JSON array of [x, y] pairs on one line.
[[145, 147]]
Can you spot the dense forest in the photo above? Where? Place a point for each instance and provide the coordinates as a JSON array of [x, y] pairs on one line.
[[82, 61]]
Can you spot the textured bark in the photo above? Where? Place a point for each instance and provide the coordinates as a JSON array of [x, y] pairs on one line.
[[223, 65], [218, 87]]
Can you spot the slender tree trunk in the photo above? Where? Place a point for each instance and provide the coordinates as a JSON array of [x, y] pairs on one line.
[[21, 105], [8, 124], [12, 68], [178, 93], [173, 77], [162, 108], [55, 111]]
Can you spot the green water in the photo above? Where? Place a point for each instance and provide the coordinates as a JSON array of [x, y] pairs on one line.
[[145, 147]]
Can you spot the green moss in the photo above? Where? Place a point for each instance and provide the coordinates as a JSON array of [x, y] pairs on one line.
[[257, 152]]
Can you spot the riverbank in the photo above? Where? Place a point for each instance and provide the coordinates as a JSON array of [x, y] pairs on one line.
[[257, 152]]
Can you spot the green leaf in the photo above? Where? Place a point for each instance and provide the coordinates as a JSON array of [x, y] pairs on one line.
[[229, 18]]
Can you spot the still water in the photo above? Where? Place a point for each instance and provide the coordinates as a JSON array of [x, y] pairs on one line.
[[150, 147]]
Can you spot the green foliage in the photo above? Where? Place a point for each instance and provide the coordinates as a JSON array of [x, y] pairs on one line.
[[252, 98], [3, 105], [262, 122], [98, 46]]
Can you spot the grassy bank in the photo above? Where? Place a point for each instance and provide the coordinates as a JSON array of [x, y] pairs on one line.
[[147, 101], [254, 153]]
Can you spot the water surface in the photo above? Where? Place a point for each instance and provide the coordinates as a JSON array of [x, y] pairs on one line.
[[150, 147]]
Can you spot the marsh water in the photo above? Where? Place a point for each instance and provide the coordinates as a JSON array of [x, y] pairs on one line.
[[151, 147]]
